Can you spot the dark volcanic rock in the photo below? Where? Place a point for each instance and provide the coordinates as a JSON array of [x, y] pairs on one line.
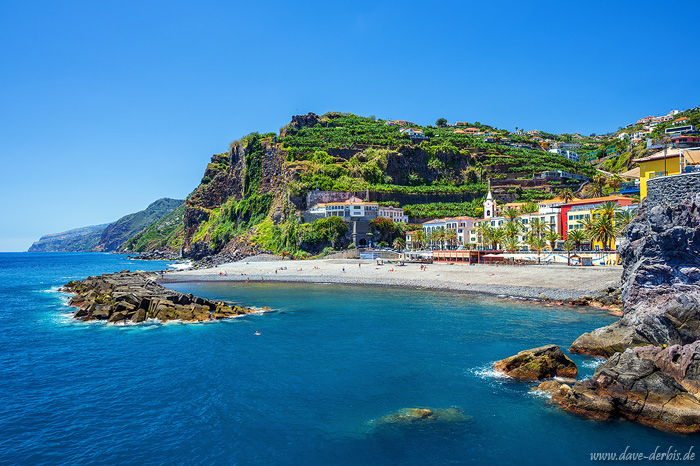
[[134, 297], [538, 363], [641, 385], [660, 282]]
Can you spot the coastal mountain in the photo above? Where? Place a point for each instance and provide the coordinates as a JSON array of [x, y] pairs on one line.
[[76, 240], [252, 195], [113, 236], [118, 233]]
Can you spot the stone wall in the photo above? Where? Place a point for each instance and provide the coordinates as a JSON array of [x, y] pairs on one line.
[[673, 189], [315, 197]]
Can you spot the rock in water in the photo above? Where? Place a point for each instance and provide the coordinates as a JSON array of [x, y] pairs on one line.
[[660, 282], [538, 363], [643, 385], [134, 297], [407, 416]]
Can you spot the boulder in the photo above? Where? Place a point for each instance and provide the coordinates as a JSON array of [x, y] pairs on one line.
[[552, 387], [631, 386], [408, 416], [538, 363]]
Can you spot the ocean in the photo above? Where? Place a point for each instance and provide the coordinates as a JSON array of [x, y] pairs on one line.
[[328, 361]]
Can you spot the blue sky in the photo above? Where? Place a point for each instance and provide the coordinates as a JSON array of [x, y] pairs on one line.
[[108, 106]]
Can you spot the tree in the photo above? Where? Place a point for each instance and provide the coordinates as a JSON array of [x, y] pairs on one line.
[[552, 237], [512, 229], [538, 227], [510, 213], [399, 243], [567, 195], [622, 219], [538, 244], [511, 244], [420, 239], [482, 232], [569, 245], [603, 230], [577, 236], [598, 182], [440, 122], [385, 227], [615, 181], [496, 236], [530, 207], [451, 237]]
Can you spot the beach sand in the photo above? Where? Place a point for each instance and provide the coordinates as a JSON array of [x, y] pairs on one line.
[[556, 282]]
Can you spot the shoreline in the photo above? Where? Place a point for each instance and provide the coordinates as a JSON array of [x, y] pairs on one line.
[[542, 282]]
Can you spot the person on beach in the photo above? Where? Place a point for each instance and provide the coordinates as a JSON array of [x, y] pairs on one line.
[[343, 269], [359, 265]]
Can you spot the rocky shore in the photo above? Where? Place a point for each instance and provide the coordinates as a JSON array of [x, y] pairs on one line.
[[135, 297], [652, 375], [660, 283]]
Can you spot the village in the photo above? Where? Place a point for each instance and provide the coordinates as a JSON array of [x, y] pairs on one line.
[[584, 230]]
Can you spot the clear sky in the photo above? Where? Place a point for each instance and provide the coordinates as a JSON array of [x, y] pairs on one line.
[[108, 106]]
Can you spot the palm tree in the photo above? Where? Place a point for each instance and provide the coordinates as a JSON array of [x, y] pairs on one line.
[[451, 237], [530, 207], [598, 181], [609, 209], [569, 245], [511, 244], [615, 181], [576, 236], [399, 243], [538, 227], [510, 213], [432, 236], [538, 244], [496, 236], [603, 230], [623, 218], [552, 237], [420, 239], [482, 231], [512, 229], [567, 195], [440, 236]]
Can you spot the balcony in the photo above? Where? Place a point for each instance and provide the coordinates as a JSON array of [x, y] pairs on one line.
[[629, 187]]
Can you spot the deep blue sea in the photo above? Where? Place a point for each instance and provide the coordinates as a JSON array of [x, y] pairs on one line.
[[327, 362]]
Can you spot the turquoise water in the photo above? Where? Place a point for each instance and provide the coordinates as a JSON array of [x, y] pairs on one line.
[[328, 360]]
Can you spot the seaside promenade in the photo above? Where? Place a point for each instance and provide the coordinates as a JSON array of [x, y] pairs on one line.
[[555, 281]]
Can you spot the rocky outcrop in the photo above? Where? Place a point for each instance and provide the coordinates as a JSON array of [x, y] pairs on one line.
[[644, 385], [134, 297], [660, 282], [407, 416], [538, 363]]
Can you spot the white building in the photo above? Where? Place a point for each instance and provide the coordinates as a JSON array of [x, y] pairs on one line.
[[569, 154], [395, 214], [351, 210]]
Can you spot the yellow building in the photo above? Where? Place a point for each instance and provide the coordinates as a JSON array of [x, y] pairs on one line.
[[672, 162]]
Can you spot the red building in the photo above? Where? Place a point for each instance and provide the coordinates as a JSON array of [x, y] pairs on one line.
[[585, 206]]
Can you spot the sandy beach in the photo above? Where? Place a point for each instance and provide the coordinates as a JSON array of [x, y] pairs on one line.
[[556, 282]]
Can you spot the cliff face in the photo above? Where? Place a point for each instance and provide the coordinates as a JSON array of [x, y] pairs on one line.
[[660, 282], [76, 240], [252, 170], [119, 232]]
